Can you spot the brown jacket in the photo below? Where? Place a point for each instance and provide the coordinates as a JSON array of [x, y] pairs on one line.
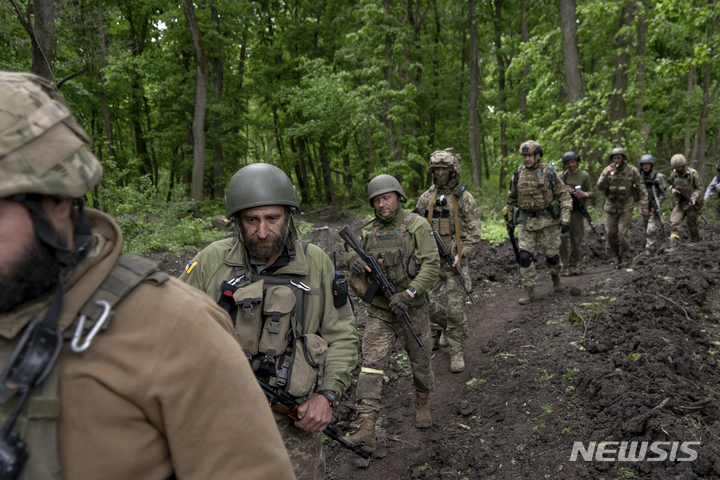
[[165, 388]]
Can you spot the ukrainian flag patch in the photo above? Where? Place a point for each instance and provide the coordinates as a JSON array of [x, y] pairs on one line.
[[189, 267]]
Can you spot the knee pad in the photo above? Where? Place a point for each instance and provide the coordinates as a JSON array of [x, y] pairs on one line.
[[553, 260], [526, 258]]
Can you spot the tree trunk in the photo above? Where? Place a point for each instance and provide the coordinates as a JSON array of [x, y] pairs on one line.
[[436, 74], [463, 37], [474, 137], [525, 33], [688, 109], [330, 196], [621, 66], [218, 180], [388, 79], [571, 52], [497, 21], [201, 77], [42, 34], [640, 78], [708, 98], [101, 75]]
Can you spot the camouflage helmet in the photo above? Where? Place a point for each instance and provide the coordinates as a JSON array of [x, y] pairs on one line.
[[42, 148], [678, 160], [617, 151], [257, 185], [647, 158], [444, 159], [570, 156], [530, 147], [383, 184]]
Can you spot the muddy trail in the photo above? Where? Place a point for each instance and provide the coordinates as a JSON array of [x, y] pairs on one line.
[[620, 355]]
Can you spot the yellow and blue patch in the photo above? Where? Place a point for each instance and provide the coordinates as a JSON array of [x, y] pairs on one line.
[[190, 266]]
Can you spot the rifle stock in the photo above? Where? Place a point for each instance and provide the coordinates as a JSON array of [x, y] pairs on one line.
[[448, 258], [511, 234]]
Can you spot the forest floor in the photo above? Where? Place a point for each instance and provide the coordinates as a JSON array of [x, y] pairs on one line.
[[620, 355]]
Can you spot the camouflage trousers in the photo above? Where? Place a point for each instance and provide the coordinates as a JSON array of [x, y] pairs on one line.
[[617, 226], [381, 333], [451, 317], [549, 241], [678, 215], [653, 230], [304, 448], [573, 237]]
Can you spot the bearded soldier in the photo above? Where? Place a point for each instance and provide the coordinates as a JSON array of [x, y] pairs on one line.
[[685, 181], [152, 385], [578, 185], [623, 186], [541, 208], [402, 243], [655, 185], [279, 291], [456, 218]]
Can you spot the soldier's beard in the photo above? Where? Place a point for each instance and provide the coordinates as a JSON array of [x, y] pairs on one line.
[[268, 247], [36, 272]]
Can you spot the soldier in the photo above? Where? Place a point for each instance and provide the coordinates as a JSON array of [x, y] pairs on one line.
[[578, 185], [655, 185], [279, 291], [687, 181], [460, 233], [623, 186], [714, 187], [541, 208], [402, 242], [153, 384]]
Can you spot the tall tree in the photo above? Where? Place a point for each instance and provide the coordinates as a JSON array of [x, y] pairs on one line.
[[101, 75], [41, 32], [571, 51], [218, 180], [474, 126], [621, 64]]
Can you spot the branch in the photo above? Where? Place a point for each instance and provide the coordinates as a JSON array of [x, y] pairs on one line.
[[24, 24], [71, 76]]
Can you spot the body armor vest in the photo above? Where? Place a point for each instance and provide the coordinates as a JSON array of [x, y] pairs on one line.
[[649, 179], [683, 181], [620, 186], [535, 187], [390, 250]]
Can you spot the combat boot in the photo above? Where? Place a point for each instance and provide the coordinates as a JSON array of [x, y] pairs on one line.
[[694, 235], [672, 244], [529, 295], [574, 271], [443, 342], [457, 363], [366, 433], [422, 411], [556, 283]]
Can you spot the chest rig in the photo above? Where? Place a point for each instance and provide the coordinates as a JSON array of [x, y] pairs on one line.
[[649, 179], [268, 314], [535, 188], [390, 247], [440, 211], [620, 186], [684, 181], [32, 418]]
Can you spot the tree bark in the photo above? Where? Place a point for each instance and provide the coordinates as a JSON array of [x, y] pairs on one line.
[[198, 125], [388, 79], [621, 65], [463, 37], [525, 34], [497, 23], [708, 98], [688, 109], [218, 180], [330, 196], [41, 33], [571, 52], [474, 137], [101, 74], [436, 74]]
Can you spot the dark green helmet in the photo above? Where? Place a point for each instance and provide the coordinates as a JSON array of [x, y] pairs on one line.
[[383, 184], [617, 151], [570, 156], [647, 158], [257, 185]]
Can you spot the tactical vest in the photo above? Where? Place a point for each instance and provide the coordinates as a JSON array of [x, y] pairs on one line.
[[535, 187], [683, 181], [649, 179], [442, 214], [620, 185], [269, 321], [390, 250], [37, 424]]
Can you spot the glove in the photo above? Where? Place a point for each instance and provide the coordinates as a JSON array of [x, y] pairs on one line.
[[358, 267], [564, 227], [400, 302]]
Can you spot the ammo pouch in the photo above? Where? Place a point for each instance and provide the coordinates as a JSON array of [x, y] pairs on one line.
[[393, 263], [554, 209], [359, 284], [307, 365]]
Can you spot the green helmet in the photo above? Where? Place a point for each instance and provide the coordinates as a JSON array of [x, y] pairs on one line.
[[445, 159], [617, 151], [647, 158], [678, 160], [259, 184], [383, 184], [42, 148]]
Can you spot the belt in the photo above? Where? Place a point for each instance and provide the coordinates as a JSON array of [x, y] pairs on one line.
[[537, 214]]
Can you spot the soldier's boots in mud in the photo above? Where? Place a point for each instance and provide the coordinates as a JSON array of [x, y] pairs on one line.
[[556, 283], [528, 297], [422, 410], [366, 433], [457, 364], [574, 271], [443, 342], [694, 234], [672, 244]]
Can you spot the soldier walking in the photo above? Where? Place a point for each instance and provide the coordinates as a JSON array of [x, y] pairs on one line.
[[456, 218], [656, 186], [578, 185], [714, 187], [402, 244], [684, 181], [541, 208], [623, 186]]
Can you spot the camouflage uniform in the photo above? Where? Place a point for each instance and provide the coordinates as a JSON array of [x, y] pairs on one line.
[[577, 222], [653, 225], [452, 318], [383, 327], [691, 184], [621, 187]]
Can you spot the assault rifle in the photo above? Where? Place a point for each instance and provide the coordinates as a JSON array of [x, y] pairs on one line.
[[685, 198], [654, 205], [511, 234], [449, 259], [578, 205], [283, 403], [378, 280]]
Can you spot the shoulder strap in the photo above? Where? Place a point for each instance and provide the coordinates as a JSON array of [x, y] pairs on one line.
[[516, 174], [409, 217], [551, 174], [431, 207]]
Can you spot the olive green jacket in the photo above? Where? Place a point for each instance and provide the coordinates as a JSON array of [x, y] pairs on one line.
[[418, 241], [217, 262]]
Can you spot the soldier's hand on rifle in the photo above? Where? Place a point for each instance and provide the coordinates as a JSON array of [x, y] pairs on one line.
[[456, 262], [570, 189], [580, 194], [564, 227], [400, 302], [675, 191], [315, 414], [359, 266]]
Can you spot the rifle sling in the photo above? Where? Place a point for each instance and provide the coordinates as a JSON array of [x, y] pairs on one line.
[[456, 215]]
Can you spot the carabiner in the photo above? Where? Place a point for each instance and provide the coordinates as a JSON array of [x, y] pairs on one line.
[[77, 336], [300, 285]]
